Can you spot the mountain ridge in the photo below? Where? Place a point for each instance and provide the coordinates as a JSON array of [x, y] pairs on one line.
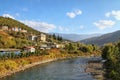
[[103, 39], [76, 37]]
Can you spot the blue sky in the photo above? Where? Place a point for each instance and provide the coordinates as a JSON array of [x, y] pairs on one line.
[[65, 16]]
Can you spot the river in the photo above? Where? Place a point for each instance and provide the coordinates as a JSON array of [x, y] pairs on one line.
[[67, 69]]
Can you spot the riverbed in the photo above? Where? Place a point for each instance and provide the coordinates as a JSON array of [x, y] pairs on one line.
[[67, 69]]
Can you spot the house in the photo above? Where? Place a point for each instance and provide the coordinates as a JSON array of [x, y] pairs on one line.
[[29, 49], [18, 29], [4, 27], [41, 37], [52, 46], [14, 29], [32, 37], [24, 31], [43, 46], [59, 45]]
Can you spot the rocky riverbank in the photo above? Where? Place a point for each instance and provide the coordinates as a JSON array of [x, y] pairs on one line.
[[95, 67]]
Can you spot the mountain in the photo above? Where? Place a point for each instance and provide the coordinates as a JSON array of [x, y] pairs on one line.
[[76, 37], [103, 39]]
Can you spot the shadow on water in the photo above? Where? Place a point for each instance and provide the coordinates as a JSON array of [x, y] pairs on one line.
[[69, 69]]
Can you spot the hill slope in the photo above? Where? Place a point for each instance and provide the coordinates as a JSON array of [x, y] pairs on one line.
[[106, 38], [14, 23], [6, 40], [15, 39], [14, 34]]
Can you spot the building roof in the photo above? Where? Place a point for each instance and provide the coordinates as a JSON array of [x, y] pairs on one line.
[[29, 47]]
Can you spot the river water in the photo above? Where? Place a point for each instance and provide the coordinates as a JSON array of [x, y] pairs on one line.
[[68, 69]]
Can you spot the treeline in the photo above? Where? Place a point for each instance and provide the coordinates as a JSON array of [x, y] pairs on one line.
[[70, 48], [54, 38], [111, 53], [82, 48]]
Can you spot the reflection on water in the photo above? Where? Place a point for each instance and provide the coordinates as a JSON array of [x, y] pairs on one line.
[[70, 69]]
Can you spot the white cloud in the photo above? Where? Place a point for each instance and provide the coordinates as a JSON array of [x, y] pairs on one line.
[[81, 27], [115, 14], [108, 14], [78, 12], [102, 24], [8, 15], [63, 28], [66, 29], [71, 14], [74, 13], [25, 9], [41, 26], [17, 14], [60, 28]]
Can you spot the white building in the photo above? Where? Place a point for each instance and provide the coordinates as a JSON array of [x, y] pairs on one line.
[[32, 37], [24, 31], [4, 27], [59, 46], [42, 37], [16, 29], [29, 49]]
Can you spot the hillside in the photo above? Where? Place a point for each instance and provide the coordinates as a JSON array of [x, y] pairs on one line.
[[6, 40], [14, 34], [106, 38], [14, 23]]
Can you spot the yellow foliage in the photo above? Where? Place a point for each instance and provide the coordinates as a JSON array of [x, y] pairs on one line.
[[10, 65], [6, 66], [23, 62], [2, 68]]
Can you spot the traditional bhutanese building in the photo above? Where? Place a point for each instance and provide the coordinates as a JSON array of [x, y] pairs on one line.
[[41, 37]]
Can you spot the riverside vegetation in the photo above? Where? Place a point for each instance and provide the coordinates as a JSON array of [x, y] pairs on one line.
[[13, 62], [111, 53]]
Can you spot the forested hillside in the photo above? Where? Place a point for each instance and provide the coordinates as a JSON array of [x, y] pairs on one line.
[[14, 34], [14, 23], [6, 40], [106, 38]]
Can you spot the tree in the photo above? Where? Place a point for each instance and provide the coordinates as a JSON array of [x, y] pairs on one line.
[[54, 36], [111, 52], [70, 47]]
